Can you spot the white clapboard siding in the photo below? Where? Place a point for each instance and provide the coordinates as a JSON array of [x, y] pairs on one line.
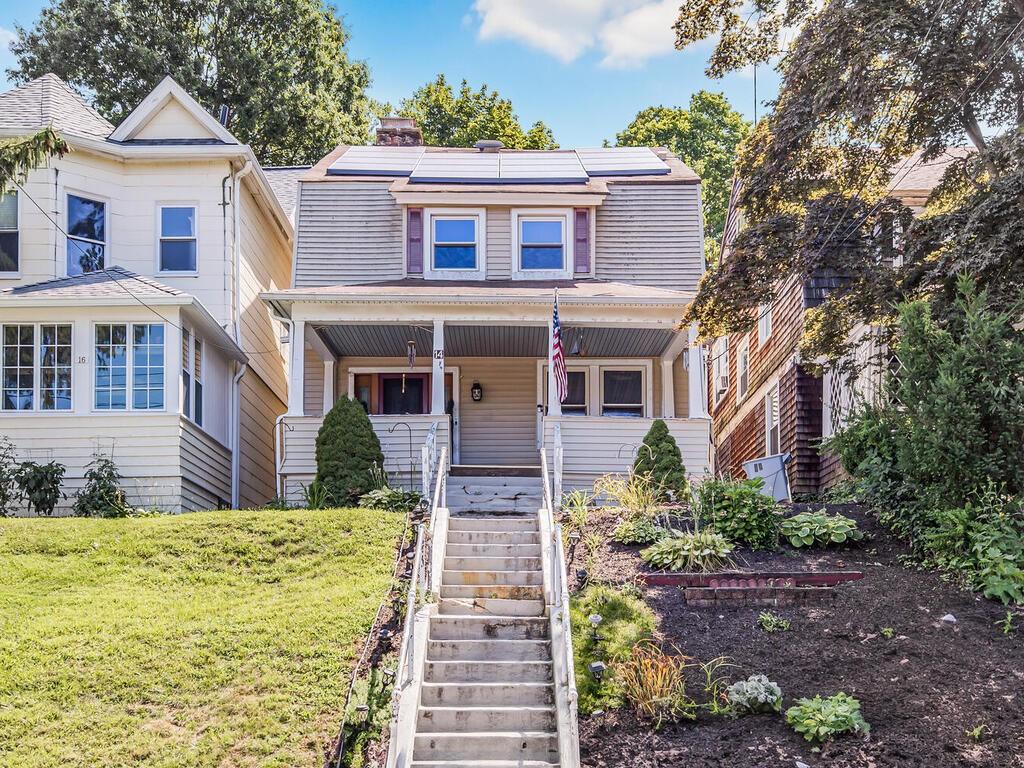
[[260, 407], [299, 461], [502, 428], [347, 233], [593, 446], [499, 243], [205, 470], [650, 234]]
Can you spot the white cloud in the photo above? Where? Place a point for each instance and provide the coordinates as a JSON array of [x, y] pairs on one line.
[[626, 32], [6, 38]]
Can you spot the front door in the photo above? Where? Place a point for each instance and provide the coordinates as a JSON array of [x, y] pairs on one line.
[[404, 393]]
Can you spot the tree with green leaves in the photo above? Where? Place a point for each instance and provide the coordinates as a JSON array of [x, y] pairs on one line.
[[347, 450], [448, 119], [705, 136], [21, 154], [866, 85], [659, 457], [280, 66]]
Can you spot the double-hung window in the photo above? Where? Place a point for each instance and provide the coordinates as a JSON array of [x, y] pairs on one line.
[[455, 243], [87, 235], [622, 392], [720, 368], [178, 247], [9, 259], [36, 371], [192, 376], [542, 248], [764, 323], [575, 403], [743, 367], [120, 349], [772, 439]]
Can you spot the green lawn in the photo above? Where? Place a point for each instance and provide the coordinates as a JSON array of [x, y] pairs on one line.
[[209, 639]]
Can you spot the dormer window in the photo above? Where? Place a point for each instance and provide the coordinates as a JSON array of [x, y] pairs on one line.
[[543, 249], [456, 244]]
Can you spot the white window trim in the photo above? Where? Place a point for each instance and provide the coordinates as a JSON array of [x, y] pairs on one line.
[[720, 363], [595, 382], [188, 365], [429, 273], [764, 323], [194, 205], [16, 274], [567, 217], [37, 360], [107, 256], [742, 352], [769, 395], [130, 362]]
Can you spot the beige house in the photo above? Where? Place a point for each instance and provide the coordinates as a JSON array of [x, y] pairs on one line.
[[423, 286], [130, 271]]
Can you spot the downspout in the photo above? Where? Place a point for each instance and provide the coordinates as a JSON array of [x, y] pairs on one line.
[[236, 305]]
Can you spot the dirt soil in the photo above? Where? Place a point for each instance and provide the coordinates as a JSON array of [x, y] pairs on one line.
[[921, 690]]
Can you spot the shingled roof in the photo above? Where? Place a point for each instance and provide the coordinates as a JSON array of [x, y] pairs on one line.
[[285, 183], [49, 101], [111, 283]]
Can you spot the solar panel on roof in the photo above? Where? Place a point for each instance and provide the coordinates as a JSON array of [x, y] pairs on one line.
[[464, 167], [546, 167], [621, 161], [376, 161]]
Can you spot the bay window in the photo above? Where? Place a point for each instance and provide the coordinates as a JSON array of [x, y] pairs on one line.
[[192, 376], [147, 366], [18, 367], [114, 357], [54, 367], [36, 371]]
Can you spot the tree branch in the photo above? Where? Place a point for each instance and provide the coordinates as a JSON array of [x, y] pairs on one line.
[[973, 130]]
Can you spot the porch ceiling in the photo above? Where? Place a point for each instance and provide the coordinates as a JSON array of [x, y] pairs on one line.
[[366, 340]]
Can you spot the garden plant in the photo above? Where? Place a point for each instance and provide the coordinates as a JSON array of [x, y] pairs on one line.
[[347, 452], [700, 551], [740, 511], [659, 457], [821, 719], [102, 495], [819, 529]]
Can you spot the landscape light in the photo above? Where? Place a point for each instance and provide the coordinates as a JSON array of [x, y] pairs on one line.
[[597, 669]]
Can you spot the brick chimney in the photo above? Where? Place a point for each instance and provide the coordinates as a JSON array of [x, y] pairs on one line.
[[399, 132]]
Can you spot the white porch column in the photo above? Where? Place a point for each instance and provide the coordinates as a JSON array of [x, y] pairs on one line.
[[554, 404], [297, 369], [668, 390], [698, 378], [437, 404], [328, 385]]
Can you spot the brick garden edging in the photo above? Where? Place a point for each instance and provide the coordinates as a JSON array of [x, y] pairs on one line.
[[765, 588]]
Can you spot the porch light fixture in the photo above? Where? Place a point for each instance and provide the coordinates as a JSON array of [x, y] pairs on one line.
[[476, 392], [597, 669]]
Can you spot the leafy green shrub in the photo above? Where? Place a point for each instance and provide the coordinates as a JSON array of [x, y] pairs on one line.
[[315, 495], [638, 530], [655, 684], [636, 493], [391, 500], [770, 622], [102, 495], [346, 451], [755, 695], [660, 458], [703, 551], [40, 485], [9, 493], [809, 529], [626, 621], [740, 511], [821, 719]]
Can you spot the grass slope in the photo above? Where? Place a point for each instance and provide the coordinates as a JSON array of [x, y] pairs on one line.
[[209, 639]]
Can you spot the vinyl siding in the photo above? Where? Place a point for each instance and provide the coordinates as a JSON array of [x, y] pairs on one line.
[[499, 243], [348, 233], [260, 408], [502, 428], [205, 470], [313, 387], [650, 234]]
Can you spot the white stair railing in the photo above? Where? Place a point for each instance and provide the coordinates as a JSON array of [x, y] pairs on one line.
[[556, 596]]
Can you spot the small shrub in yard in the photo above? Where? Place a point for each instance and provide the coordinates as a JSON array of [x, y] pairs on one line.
[[40, 485], [9, 493], [769, 622], [102, 495], [755, 695], [637, 531], [703, 551], [315, 495], [626, 621], [347, 451], [576, 504], [740, 511], [636, 493], [391, 500], [821, 719], [659, 457], [655, 684], [809, 529]]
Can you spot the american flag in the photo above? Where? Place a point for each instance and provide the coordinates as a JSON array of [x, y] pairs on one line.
[[558, 355]]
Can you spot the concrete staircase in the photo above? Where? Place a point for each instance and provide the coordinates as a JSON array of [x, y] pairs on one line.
[[494, 494], [487, 699]]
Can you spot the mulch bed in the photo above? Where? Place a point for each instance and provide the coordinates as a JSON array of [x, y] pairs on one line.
[[921, 690]]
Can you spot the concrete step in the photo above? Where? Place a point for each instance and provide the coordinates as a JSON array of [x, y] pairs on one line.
[[488, 650], [487, 671], [482, 764], [474, 482], [455, 719], [487, 578], [491, 549], [492, 537], [490, 606], [495, 745], [492, 563], [496, 505], [507, 524], [486, 694], [488, 628], [506, 592]]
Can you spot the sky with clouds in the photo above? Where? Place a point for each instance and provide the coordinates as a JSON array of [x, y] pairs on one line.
[[585, 67]]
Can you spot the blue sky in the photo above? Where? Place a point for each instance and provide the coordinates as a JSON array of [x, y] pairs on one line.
[[585, 67]]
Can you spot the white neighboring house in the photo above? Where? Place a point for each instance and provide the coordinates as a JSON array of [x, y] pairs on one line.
[[130, 319]]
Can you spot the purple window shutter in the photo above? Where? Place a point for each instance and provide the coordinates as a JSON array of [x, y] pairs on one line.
[[581, 248], [414, 235]]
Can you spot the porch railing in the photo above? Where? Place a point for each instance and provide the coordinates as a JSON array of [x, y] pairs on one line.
[[556, 595]]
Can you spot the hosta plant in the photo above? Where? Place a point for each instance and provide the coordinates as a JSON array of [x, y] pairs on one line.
[[754, 695], [637, 531], [391, 500], [809, 529], [821, 719], [703, 551]]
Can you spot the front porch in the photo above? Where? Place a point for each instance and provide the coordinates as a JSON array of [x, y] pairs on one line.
[[476, 377]]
